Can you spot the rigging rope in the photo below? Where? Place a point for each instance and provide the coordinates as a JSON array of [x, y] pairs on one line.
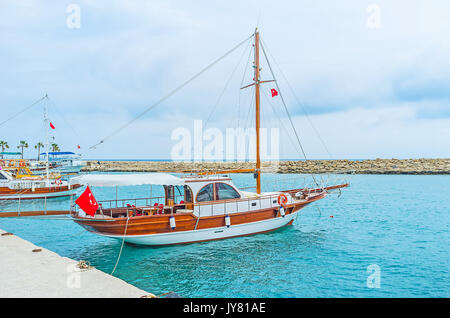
[[285, 107], [24, 110], [242, 83], [225, 87], [300, 103], [171, 93], [281, 123], [55, 108], [284, 103]]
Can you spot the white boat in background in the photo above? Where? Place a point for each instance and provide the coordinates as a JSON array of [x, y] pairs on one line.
[[64, 162]]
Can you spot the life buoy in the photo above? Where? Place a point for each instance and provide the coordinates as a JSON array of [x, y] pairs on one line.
[[58, 181], [282, 200], [22, 163]]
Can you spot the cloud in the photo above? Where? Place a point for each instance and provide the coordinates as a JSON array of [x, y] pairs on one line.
[[385, 132], [128, 54]]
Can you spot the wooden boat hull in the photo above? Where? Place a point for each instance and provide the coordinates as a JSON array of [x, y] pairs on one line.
[[155, 230], [38, 193]]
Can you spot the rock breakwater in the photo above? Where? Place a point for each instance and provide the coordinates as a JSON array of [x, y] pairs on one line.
[[373, 166]]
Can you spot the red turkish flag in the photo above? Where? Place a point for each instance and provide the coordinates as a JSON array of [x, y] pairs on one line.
[[87, 202], [51, 125], [78, 147], [274, 92]]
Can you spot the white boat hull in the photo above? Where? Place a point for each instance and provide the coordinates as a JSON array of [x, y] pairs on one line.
[[210, 234]]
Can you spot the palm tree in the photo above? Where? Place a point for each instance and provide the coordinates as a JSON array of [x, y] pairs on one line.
[[22, 144], [38, 146], [4, 145], [55, 147]]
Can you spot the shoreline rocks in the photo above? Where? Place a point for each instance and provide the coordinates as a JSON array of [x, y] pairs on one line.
[[372, 166]]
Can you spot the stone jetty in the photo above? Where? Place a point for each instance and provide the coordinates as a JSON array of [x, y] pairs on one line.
[[373, 166]]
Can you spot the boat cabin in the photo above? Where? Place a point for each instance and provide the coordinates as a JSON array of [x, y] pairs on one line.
[[200, 195]]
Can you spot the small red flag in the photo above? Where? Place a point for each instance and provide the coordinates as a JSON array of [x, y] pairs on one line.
[[87, 202], [274, 92], [51, 125], [78, 147]]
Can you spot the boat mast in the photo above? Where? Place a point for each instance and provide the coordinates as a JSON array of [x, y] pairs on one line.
[[257, 123], [46, 138]]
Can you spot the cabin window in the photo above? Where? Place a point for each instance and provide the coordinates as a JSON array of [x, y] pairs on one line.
[[206, 193], [225, 192], [187, 194], [2, 177], [170, 195], [179, 193]]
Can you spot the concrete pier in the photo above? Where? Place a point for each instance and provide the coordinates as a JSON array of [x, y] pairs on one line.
[[27, 270]]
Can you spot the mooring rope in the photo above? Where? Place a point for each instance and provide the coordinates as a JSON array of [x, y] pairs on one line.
[[84, 265], [121, 247]]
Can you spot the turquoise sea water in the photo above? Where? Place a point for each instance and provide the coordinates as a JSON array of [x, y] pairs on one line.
[[399, 223]]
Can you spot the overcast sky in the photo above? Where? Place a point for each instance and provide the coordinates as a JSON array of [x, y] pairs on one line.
[[372, 75]]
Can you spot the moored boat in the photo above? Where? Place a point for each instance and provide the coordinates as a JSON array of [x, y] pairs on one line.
[[64, 162], [33, 187], [208, 205], [205, 208]]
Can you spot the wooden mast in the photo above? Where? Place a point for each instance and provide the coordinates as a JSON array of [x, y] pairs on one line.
[[257, 125]]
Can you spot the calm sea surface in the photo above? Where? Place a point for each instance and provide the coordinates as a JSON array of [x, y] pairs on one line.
[[397, 223]]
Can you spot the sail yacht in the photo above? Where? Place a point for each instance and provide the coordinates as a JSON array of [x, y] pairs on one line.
[[194, 208]]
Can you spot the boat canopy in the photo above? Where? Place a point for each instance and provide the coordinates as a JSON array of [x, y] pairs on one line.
[[57, 153], [131, 179], [10, 153]]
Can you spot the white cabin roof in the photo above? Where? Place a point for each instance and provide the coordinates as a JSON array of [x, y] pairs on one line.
[[111, 180]]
